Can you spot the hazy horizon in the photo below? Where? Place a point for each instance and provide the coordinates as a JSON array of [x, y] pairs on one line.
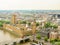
[[29, 4]]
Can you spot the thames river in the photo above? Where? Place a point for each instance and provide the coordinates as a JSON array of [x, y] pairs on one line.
[[6, 36]]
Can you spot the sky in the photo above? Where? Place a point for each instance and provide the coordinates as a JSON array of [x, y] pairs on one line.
[[29, 4]]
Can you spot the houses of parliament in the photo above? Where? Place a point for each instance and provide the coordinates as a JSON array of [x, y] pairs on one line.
[[17, 27]]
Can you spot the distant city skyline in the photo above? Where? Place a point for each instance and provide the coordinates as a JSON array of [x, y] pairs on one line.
[[29, 4]]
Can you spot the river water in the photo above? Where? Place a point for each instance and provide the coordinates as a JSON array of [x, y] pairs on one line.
[[6, 36]]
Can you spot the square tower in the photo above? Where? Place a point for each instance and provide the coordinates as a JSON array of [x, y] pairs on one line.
[[13, 19]]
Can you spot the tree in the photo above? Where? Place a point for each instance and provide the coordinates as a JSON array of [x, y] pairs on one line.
[[2, 21], [7, 22], [58, 43], [56, 40], [55, 26], [46, 38], [29, 23], [38, 36], [52, 40], [23, 22], [1, 24], [37, 24], [50, 25]]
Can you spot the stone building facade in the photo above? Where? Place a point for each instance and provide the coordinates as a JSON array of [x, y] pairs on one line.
[[54, 35], [17, 27]]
